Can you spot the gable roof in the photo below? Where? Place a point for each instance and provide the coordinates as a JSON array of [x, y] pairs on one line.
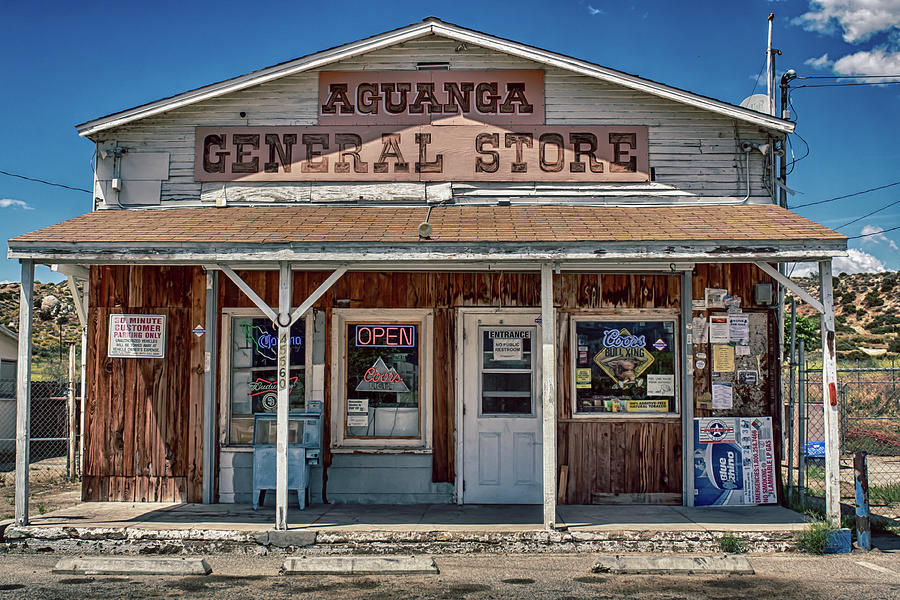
[[432, 26]]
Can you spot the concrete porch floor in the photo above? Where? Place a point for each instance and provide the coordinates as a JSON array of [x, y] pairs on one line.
[[325, 518]]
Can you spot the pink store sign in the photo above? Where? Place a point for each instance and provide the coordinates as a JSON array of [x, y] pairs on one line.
[[137, 336], [422, 97]]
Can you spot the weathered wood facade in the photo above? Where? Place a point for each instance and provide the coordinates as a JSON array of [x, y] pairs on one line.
[[143, 415], [142, 437]]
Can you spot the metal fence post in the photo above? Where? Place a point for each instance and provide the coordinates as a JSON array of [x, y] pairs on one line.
[[861, 479], [801, 426], [792, 365], [73, 430]]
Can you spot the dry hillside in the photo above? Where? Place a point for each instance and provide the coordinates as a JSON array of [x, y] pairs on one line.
[[867, 312], [55, 321]]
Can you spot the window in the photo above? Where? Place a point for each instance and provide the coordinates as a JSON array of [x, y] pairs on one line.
[[625, 365], [8, 378], [382, 398], [251, 372], [507, 371]]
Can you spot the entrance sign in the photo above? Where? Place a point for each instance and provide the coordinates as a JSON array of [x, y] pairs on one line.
[[471, 152], [419, 97], [734, 461], [137, 336]]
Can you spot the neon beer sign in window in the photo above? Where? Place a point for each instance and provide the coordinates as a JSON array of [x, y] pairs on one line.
[[385, 336]]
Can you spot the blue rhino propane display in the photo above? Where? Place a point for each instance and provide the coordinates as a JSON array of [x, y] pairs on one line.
[[734, 461]]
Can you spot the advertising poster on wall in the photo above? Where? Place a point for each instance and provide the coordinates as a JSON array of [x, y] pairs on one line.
[[734, 461]]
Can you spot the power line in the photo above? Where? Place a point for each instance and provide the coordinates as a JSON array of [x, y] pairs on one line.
[[68, 187], [819, 85], [868, 215], [856, 237], [846, 76], [881, 187]]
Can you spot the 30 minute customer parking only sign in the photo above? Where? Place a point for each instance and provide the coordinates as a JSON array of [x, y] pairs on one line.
[[137, 336]]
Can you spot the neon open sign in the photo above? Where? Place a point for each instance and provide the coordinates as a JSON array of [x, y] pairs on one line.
[[386, 336]]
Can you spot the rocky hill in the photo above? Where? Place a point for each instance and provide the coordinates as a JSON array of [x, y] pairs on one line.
[[55, 325], [866, 313]]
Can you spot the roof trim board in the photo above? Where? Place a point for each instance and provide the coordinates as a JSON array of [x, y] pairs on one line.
[[431, 26], [507, 256]]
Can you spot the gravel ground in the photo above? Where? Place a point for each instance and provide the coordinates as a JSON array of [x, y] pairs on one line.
[[857, 576]]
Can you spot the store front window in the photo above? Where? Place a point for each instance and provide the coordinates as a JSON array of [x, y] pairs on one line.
[[625, 366], [252, 374], [383, 399]]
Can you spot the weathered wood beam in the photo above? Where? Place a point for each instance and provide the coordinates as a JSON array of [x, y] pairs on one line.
[[687, 391], [23, 392], [248, 291], [830, 403], [71, 270], [791, 285], [284, 391], [77, 300], [318, 293], [209, 390], [548, 399]]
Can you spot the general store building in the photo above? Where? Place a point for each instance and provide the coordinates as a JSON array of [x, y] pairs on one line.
[[430, 266]]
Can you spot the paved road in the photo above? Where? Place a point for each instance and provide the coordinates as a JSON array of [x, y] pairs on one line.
[[856, 576]]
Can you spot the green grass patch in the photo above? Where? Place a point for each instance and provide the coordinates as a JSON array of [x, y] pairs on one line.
[[732, 544], [884, 494], [812, 539]]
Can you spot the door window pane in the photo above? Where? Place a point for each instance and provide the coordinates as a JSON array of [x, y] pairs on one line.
[[625, 366], [507, 370], [383, 370]]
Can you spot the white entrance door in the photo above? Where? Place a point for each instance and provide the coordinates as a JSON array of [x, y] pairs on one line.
[[502, 453]]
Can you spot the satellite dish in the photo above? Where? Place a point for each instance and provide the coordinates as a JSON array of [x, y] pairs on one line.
[[757, 102]]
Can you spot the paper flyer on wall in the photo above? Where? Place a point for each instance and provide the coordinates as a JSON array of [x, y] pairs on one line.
[[718, 329], [734, 461], [739, 328]]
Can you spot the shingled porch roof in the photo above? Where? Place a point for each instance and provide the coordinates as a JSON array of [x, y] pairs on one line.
[[745, 231]]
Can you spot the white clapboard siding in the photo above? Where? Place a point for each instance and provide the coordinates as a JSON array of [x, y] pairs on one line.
[[695, 154]]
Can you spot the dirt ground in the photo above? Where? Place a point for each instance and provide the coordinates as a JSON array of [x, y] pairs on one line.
[[50, 488]]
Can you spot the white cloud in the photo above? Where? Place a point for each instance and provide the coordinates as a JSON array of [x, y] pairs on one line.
[[878, 61], [858, 19], [9, 202], [857, 261], [873, 234], [594, 11], [823, 62]]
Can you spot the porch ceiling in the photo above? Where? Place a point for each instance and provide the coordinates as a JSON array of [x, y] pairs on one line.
[[330, 234]]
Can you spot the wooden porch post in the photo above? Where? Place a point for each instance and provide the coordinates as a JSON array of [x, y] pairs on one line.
[[687, 390], [23, 392], [830, 403], [548, 375], [209, 389], [284, 371]]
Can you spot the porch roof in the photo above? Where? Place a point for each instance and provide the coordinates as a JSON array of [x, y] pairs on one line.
[[474, 233]]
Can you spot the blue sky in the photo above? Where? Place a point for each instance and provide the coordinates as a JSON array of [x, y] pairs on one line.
[[67, 62]]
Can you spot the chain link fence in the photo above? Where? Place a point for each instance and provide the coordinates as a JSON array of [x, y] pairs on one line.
[[54, 467], [869, 422]]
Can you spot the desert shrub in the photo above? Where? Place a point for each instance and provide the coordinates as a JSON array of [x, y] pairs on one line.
[[873, 298], [812, 539], [844, 345], [732, 544]]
